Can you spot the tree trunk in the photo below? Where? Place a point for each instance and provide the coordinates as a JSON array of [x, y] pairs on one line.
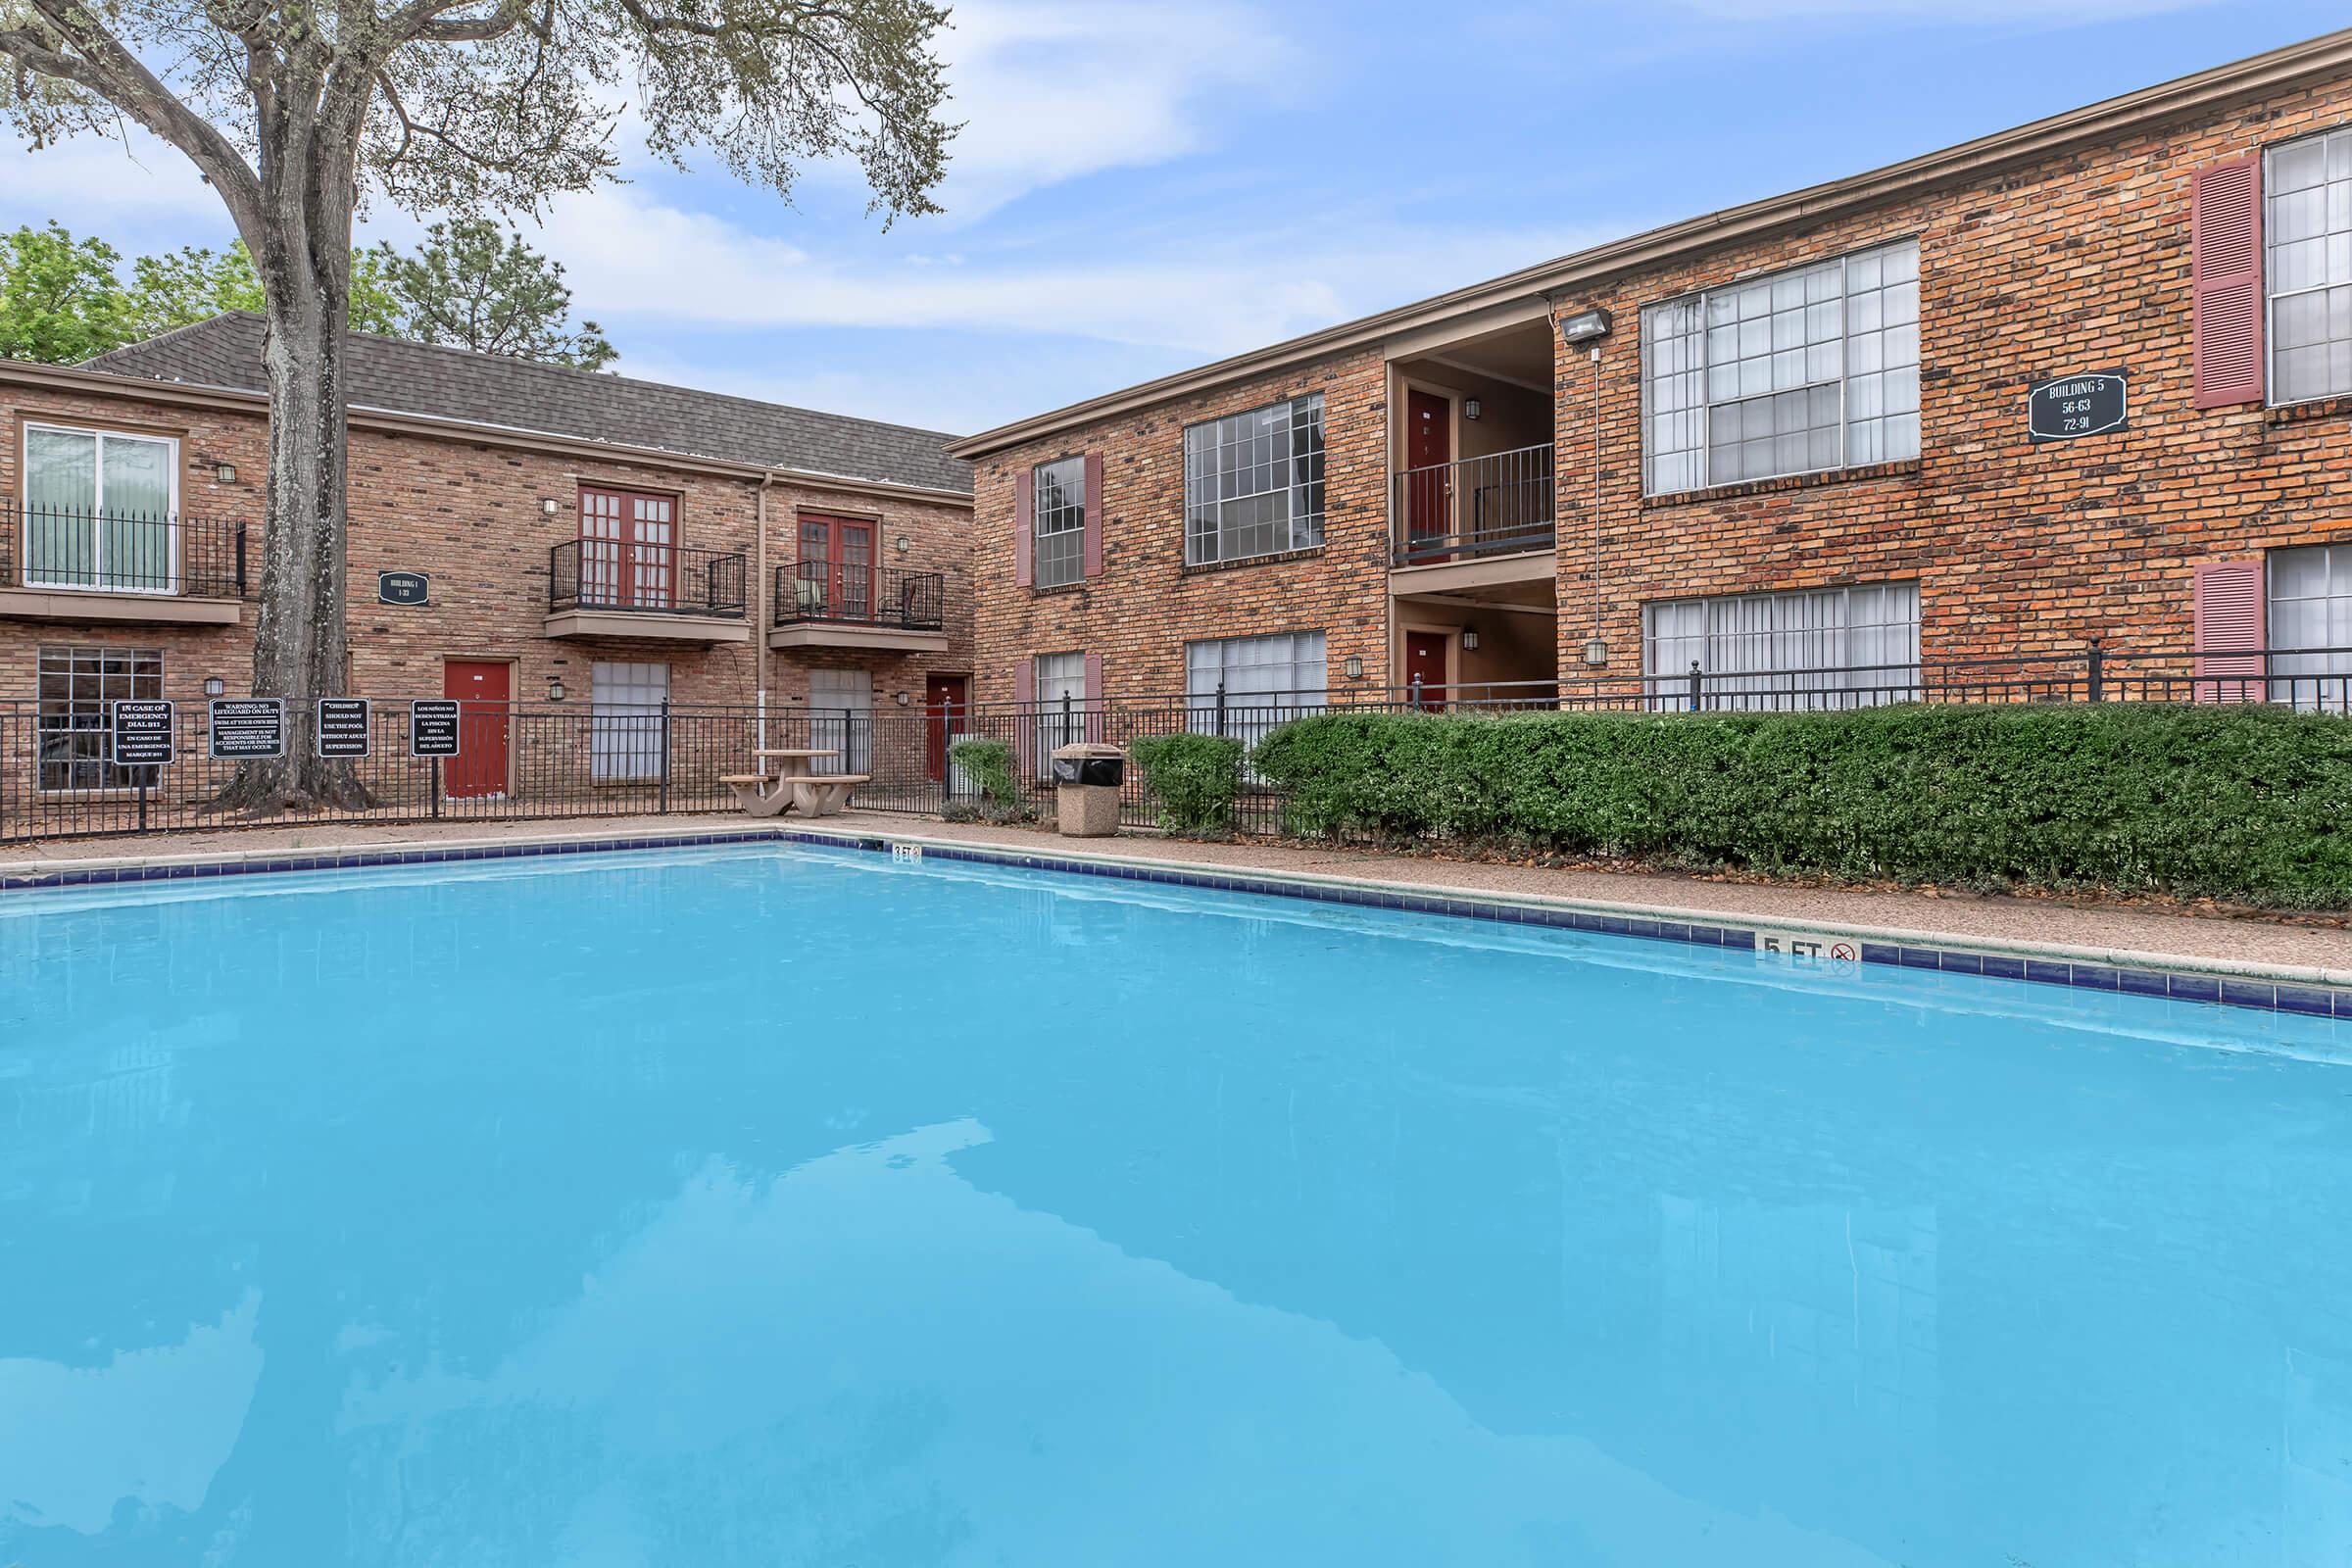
[[300, 637]]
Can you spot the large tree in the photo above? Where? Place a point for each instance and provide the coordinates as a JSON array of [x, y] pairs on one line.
[[472, 286], [195, 284], [298, 112]]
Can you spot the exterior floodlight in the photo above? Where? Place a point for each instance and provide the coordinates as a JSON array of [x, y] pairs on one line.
[[1585, 327]]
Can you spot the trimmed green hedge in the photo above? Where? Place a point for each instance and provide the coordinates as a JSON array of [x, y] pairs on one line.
[[2247, 804], [1195, 777]]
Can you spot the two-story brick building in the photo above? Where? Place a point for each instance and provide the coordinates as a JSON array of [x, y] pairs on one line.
[[1790, 436], [520, 533]]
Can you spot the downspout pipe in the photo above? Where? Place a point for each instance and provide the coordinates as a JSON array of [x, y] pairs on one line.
[[759, 605]]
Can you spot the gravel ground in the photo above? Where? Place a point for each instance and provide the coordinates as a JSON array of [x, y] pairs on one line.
[[1964, 917]]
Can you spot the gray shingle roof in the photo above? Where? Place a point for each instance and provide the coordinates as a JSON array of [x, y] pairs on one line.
[[404, 378]]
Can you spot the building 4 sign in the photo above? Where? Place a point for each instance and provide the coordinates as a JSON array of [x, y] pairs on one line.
[[403, 588], [2067, 408]]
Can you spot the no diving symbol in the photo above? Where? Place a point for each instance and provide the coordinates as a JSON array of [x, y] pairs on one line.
[[1844, 953]]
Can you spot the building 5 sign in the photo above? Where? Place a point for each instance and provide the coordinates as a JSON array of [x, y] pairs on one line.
[[2068, 408]]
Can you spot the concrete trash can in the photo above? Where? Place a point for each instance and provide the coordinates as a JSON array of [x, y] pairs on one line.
[[1087, 779]]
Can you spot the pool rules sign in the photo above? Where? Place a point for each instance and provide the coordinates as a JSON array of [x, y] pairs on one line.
[[247, 727]]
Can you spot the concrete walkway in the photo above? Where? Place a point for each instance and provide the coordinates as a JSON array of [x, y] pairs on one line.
[[2110, 932]]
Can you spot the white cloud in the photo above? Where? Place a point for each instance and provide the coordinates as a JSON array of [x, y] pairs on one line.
[[629, 258], [1049, 91], [102, 186]]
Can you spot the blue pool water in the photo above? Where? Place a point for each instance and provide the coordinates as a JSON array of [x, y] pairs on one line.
[[782, 1207]]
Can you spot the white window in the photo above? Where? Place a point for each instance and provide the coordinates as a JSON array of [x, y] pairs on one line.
[[1244, 686], [101, 511], [2307, 233], [841, 718], [2311, 609], [1799, 373], [79, 687], [1060, 704], [625, 725], [1815, 648], [1060, 490], [1253, 483]]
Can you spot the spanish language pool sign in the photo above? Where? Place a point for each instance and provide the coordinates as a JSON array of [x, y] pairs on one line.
[[433, 726], [247, 727], [142, 734], [342, 726], [403, 588], [2068, 408]]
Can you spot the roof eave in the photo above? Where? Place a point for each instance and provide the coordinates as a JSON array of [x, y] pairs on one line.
[[2042, 138]]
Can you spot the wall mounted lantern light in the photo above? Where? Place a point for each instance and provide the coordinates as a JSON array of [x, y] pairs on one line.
[[1596, 651], [900, 697], [1472, 407], [1353, 668], [213, 686], [550, 505], [226, 472], [1469, 639], [555, 688]]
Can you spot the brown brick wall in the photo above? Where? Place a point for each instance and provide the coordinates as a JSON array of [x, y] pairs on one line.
[[470, 514], [2080, 262]]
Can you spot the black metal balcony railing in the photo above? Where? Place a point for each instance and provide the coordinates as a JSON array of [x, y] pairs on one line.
[[654, 579], [162, 553], [862, 594], [1491, 506]]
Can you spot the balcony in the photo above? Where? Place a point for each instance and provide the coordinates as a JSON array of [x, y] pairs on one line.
[[659, 593], [157, 569], [836, 604], [1475, 521]]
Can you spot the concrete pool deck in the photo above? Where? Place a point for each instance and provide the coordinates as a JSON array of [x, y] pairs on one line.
[[2086, 931]]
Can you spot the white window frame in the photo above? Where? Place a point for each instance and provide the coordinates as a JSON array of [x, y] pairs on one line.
[[2330, 140], [1247, 717], [1068, 552], [1705, 407], [169, 443], [2329, 694], [625, 724], [1053, 676], [112, 776], [1303, 515], [1738, 684]]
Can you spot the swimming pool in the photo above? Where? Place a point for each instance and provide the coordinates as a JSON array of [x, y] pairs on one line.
[[771, 1205]]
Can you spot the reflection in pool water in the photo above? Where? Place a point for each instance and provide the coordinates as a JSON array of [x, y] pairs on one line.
[[781, 1206]]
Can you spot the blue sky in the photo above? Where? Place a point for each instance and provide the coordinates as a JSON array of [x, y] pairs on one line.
[[1145, 187]]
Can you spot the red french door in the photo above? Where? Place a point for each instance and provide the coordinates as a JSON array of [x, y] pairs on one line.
[[628, 550], [837, 568]]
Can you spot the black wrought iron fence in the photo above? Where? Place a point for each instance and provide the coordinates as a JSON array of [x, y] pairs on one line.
[[61, 777], [73, 549]]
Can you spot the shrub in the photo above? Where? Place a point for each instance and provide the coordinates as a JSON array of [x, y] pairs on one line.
[[1195, 778], [2247, 804], [989, 764]]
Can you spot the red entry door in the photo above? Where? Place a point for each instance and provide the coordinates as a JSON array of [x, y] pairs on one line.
[[483, 690], [1425, 665], [946, 715], [1428, 447]]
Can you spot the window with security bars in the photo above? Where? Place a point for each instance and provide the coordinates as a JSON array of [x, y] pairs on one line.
[[2307, 240], [1061, 522], [1812, 648], [75, 687], [1803, 371], [2310, 623], [1253, 483]]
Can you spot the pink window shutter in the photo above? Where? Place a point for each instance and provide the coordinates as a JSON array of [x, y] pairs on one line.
[[1024, 526], [2226, 281], [1093, 545], [2229, 631], [1093, 686], [1024, 718]]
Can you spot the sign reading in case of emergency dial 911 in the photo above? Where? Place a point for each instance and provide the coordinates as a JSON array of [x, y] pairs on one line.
[[2068, 408]]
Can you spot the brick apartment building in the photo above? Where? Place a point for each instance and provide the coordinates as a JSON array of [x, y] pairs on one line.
[[1788, 436], [552, 535]]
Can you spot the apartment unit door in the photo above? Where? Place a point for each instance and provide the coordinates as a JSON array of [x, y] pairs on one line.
[[1424, 667], [1428, 483], [946, 712], [483, 688]]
